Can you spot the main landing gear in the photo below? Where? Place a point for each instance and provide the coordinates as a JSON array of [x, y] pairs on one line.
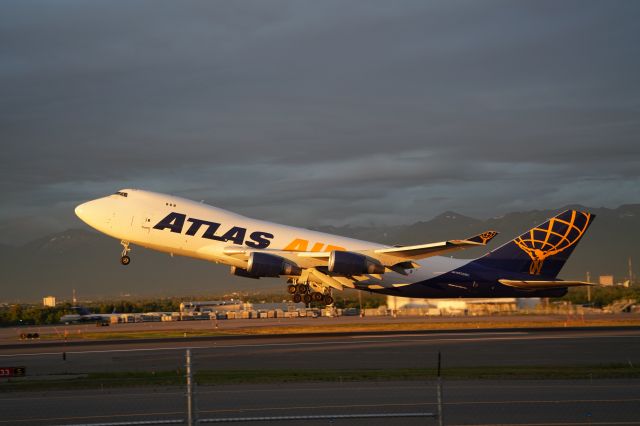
[[303, 293], [125, 259]]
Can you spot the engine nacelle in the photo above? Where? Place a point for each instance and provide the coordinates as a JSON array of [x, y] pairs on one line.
[[242, 273], [269, 265], [349, 263]]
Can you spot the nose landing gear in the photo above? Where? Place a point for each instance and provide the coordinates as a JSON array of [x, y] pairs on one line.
[[125, 259]]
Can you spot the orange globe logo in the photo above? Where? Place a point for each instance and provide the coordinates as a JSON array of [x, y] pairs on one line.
[[553, 237]]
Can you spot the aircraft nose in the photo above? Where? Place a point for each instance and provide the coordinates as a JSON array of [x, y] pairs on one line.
[[81, 211], [89, 212]]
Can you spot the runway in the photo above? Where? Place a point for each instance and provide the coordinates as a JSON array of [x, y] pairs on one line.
[[540, 403], [349, 351]]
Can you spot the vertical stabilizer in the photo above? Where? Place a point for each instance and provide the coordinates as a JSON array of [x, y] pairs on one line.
[[542, 250]]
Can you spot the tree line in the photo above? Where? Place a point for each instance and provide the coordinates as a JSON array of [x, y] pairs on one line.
[[599, 297], [25, 314]]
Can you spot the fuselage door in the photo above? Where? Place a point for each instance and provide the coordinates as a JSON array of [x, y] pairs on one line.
[[147, 221], [110, 220]]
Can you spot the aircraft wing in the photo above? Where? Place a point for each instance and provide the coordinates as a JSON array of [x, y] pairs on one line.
[[394, 255], [542, 285], [386, 256], [399, 259], [304, 259]]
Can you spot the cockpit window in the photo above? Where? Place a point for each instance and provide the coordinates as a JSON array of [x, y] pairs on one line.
[[122, 194]]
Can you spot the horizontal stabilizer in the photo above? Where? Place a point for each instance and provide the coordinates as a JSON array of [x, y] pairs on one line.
[[542, 285]]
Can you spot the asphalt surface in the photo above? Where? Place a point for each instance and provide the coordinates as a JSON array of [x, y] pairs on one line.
[[466, 402], [575, 402], [349, 351]]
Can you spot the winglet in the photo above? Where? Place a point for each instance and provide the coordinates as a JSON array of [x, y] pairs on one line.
[[390, 256], [484, 237]]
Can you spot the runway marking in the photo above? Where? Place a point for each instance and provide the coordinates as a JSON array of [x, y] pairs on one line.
[[323, 343], [541, 401], [36, 419], [551, 424], [411, 404], [348, 406], [182, 348], [101, 395], [271, 389], [380, 336], [307, 407], [423, 388]]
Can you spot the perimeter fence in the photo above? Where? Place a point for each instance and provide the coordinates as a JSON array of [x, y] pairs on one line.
[[175, 385]]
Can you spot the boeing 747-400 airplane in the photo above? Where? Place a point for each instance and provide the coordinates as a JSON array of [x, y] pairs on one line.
[[317, 263], [82, 314]]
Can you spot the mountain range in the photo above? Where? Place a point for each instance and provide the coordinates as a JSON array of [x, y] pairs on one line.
[[89, 262]]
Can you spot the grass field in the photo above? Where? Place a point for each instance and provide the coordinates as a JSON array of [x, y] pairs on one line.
[[220, 377], [392, 325]]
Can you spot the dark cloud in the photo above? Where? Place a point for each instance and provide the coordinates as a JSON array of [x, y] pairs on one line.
[[318, 112]]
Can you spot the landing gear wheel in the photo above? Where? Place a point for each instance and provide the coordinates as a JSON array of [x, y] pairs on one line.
[[307, 298], [328, 300], [291, 289], [316, 296], [302, 289], [297, 298], [125, 259]]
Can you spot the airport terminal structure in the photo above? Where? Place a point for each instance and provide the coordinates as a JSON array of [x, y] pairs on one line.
[[395, 307]]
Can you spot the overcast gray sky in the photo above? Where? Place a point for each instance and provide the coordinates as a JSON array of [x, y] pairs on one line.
[[318, 112]]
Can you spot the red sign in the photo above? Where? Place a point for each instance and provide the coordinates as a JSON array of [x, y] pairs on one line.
[[12, 372]]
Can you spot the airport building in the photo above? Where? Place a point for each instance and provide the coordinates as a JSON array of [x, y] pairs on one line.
[[605, 280], [396, 306], [49, 301], [211, 306], [221, 310], [409, 306]]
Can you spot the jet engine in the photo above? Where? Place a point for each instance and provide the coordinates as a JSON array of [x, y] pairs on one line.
[[240, 272], [349, 263], [269, 265]]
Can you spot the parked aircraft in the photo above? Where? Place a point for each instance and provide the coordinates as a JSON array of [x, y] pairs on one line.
[[82, 314], [317, 263]]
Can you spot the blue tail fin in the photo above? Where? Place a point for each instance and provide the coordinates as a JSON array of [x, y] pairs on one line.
[[80, 310], [542, 250]]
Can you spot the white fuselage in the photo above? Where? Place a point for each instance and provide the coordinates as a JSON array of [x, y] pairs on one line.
[[183, 227]]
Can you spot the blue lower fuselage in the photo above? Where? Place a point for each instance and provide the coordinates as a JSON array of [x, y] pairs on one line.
[[443, 277]]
